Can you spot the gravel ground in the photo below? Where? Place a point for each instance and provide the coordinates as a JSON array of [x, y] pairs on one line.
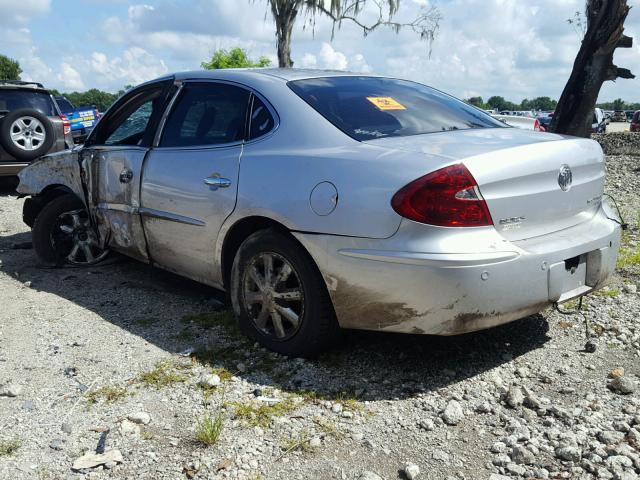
[[142, 366]]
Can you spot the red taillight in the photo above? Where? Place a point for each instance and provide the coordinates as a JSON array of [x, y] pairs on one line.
[[448, 197], [66, 124]]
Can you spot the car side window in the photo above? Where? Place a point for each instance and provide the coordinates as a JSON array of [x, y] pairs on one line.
[[131, 120], [261, 121], [132, 129], [207, 113]]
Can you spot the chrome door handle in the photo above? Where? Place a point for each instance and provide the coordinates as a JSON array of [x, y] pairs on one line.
[[217, 182]]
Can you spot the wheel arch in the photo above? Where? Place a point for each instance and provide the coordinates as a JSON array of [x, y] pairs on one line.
[[33, 205], [240, 231]]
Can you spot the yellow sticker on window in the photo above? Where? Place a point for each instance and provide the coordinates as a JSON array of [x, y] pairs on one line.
[[386, 103]]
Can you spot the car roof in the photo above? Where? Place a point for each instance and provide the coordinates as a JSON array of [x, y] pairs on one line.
[[285, 74]]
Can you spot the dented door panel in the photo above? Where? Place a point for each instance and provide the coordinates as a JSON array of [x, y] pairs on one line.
[[114, 190]]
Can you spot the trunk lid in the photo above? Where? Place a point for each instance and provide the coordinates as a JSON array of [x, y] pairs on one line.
[[520, 173]]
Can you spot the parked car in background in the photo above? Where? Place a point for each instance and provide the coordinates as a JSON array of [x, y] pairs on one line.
[[629, 114], [321, 200], [619, 116], [82, 119], [31, 125], [517, 121], [545, 121], [635, 122], [599, 123]]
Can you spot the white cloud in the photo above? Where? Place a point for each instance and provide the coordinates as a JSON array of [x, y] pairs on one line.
[[69, 78], [20, 12], [484, 47]]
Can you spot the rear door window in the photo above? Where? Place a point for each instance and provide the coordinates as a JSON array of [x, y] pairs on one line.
[[261, 121], [11, 100], [367, 108], [207, 113]]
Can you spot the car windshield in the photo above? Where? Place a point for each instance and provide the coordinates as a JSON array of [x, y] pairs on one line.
[[11, 100], [366, 108]]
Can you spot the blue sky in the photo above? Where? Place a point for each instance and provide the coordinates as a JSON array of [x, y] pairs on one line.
[[514, 48]]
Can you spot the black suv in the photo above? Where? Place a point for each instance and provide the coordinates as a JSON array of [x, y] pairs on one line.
[[31, 125]]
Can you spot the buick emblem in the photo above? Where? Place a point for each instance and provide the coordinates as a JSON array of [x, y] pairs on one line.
[[565, 177]]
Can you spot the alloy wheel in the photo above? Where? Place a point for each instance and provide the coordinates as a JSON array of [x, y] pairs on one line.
[[273, 295], [27, 133], [74, 240]]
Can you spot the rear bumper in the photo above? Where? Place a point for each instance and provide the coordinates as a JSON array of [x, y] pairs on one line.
[[398, 285]]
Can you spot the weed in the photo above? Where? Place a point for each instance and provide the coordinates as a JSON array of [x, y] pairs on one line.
[[9, 447], [224, 374], [628, 257], [261, 415], [163, 375], [222, 318], [328, 428], [108, 393], [209, 429], [612, 292], [146, 435]]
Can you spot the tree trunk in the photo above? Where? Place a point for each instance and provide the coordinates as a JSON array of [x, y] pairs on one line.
[[592, 67], [284, 13]]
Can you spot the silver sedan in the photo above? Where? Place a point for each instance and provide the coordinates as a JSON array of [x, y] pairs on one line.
[[321, 200]]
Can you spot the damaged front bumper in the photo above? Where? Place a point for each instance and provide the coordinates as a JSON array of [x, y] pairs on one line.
[[442, 281]]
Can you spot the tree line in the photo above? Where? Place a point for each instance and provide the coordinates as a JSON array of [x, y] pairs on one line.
[[541, 103]]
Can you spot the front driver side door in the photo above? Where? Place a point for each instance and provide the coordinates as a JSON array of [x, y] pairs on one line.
[[190, 180], [114, 160]]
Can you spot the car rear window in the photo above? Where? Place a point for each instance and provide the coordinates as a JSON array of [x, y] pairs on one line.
[[11, 100], [366, 108]]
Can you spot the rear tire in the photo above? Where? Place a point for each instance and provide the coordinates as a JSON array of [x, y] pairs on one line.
[[26, 134], [299, 318], [62, 234]]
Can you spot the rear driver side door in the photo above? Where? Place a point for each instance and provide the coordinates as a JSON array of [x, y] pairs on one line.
[[190, 179]]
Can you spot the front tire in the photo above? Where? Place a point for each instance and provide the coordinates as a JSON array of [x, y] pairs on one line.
[[62, 234], [280, 298]]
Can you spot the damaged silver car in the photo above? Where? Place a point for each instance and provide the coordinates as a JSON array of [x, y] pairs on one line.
[[322, 200]]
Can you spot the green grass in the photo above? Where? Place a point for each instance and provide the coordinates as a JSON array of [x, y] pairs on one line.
[[9, 447], [224, 374], [262, 414], [108, 394], [628, 257], [223, 318], [612, 292], [146, 435], [210, 428], [163, 375]]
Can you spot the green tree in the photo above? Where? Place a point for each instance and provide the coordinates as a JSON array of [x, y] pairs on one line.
[[618, 104], [234, 58], [9, 68], [477, 102], [499, 103], [538, 103]]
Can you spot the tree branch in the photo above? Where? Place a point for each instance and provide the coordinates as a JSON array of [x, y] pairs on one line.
[[426, 24]]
